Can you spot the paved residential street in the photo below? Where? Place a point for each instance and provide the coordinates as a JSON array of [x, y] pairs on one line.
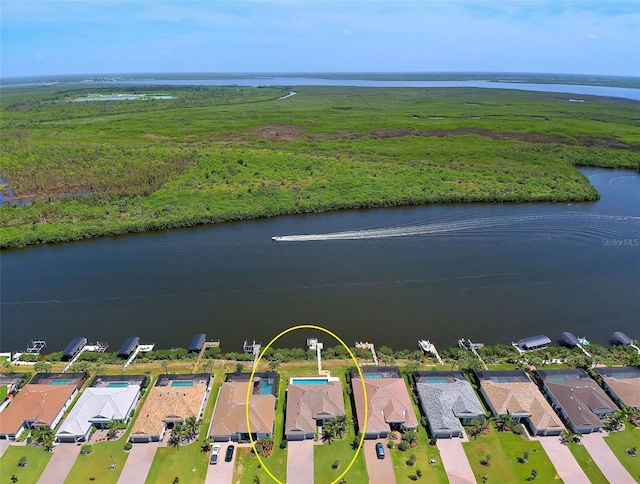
[[61, 463], [138, 463], [562, 459], [455, 461], [300, 462], [606, 460], [380, 470], [222, 472]]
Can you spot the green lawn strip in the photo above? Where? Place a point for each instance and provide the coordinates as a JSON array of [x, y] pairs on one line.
[[620, 442], [3, 393], [247, 466], [186, 462], [97, 464], [38, 460], [424, 453], [587, 464], [326, 454], [505, 448]]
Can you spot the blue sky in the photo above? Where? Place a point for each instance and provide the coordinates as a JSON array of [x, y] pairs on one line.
[[89, 36]]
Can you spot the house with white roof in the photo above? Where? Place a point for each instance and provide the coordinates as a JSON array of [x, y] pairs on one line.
[[98, 406]]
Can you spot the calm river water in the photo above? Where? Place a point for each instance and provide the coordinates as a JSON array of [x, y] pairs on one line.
[[490, 272]]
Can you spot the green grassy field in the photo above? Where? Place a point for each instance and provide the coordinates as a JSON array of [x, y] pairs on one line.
[[505, 448], [620, 442], [38, 460], [216, 154], [587, 464]]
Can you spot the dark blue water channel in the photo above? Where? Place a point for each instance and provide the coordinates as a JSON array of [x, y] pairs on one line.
[[490, 272]]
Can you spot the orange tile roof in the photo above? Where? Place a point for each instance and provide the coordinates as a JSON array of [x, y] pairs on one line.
[[230, 414], [35, 403], [389, 402], [168, 403]]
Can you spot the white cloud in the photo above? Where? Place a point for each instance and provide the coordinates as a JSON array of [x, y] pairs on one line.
[[592, 37]]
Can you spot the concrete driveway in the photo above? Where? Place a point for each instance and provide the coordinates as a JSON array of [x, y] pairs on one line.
[[562, 459], [138, 463], [455, 461], [606, 460], [61, 463], [4, 445], [380, 470], [300, 462], [222, 472]]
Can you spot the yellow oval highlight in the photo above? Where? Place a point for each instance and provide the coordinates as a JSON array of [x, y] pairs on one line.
[[364, 389]]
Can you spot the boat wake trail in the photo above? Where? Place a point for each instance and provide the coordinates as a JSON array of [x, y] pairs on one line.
[[542, 222]]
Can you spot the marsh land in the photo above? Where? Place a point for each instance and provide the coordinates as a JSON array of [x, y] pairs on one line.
[[215, 154]]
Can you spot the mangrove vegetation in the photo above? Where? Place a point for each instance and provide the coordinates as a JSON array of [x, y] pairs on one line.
[[72, 170]]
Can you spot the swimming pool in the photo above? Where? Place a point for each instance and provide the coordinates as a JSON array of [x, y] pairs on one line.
[[266, 387], [373, 375], [309, 381], [182, 383], [61, 382], [117, 384], [436, 379]]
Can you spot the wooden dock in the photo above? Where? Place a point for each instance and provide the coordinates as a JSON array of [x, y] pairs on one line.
[[371, 347], [469, 345], [205, 346]]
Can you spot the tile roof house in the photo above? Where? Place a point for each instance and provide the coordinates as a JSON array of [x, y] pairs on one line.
[[388, 403], [448, 400], [511, 392], [173, 399], [229, 416], [310, 405], [98, 407], [581, 401], [36, 405], [623, 384]]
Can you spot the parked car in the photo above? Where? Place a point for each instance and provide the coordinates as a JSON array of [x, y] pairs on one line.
[[214, 455], [380, 450], [229, 454]]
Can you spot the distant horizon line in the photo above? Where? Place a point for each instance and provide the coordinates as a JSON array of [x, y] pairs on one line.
[[307, 73]]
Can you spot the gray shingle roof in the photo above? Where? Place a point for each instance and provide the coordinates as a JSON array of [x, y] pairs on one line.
[[446, 403]]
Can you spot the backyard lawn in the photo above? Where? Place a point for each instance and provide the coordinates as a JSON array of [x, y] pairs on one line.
[[620, 442], [38, 460], [504, 449], [587, 464]]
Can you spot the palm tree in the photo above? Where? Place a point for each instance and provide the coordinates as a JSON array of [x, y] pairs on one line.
[[206, 445], [44, 436], [329, 431], [340, 425], [165, 366], [191, 427], [113, 428]]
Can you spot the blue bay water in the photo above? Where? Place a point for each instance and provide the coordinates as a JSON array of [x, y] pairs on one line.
[[490, 272]]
